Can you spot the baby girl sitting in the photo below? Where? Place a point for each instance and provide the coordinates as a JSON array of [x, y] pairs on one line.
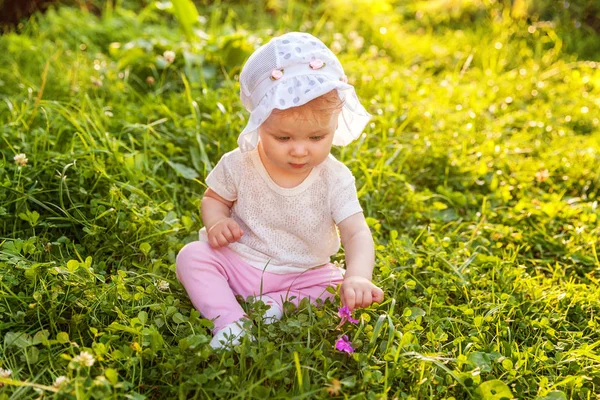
[[274, 205]]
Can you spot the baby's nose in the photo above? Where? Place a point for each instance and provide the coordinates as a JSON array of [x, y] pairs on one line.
[[299, 149]]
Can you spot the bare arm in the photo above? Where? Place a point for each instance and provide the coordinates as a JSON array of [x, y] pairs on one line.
[[357, 288], [221, 229], [358, 245], [214, 208]]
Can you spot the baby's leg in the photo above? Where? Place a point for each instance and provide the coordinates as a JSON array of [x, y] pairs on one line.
[[310, 284], [205, 273]]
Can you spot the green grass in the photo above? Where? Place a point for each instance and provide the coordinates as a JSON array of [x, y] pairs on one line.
[[479, 175]]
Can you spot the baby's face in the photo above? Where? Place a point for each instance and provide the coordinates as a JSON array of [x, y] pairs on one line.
[[296, 142]]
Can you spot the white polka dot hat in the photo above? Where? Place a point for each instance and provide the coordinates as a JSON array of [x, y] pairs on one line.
[[290, 71]]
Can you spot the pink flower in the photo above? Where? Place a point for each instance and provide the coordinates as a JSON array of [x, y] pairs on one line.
[[346, 315], [316, 64], [344, 79], [276, 74], [343, 344]]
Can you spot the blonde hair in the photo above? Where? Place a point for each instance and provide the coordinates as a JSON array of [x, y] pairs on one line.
[[322, 106]]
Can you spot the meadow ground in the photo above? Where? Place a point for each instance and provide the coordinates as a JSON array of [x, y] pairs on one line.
[[479, 175]]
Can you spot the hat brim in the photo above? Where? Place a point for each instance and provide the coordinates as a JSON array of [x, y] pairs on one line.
[[292, 93]]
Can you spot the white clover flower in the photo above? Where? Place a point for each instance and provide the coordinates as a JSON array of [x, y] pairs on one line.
[[59, 381], [542, 175], [162, 285], [336, 47], [96, 82], [169, 56], [21, 160], [84, 358], [4, 373], [358, 42], [100, 380]]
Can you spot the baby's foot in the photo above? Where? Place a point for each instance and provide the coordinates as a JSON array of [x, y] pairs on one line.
[[274, 313], [229, 336]]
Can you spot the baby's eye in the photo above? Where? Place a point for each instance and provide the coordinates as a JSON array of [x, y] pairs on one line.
[[283, 138], [316, 138]]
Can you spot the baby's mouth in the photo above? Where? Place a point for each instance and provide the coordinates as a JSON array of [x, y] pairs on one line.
[[298, 165]]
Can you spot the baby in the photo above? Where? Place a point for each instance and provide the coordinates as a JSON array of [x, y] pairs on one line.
[[274, 205]]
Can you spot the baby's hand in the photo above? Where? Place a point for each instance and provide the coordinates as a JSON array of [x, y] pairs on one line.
[[224, 232], [358, 291]]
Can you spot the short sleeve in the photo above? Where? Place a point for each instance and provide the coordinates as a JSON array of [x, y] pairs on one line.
[[225, 177], [343, 197]]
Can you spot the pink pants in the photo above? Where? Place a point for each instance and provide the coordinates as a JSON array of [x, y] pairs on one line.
[[213, 277]]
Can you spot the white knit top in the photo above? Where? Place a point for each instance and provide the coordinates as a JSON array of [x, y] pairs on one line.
[[285, 229]]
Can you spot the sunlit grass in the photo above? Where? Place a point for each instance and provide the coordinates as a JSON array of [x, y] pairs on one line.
[[479, 176]]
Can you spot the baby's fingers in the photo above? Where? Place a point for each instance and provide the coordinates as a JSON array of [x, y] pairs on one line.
[[367, 299], [349, 299], [377, 295], [228, 235], [358, 301], [237, 233], [222, 240], [234, 230], [214, 241]]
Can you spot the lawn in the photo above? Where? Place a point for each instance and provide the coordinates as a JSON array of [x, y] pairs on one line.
[[479, 176]]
